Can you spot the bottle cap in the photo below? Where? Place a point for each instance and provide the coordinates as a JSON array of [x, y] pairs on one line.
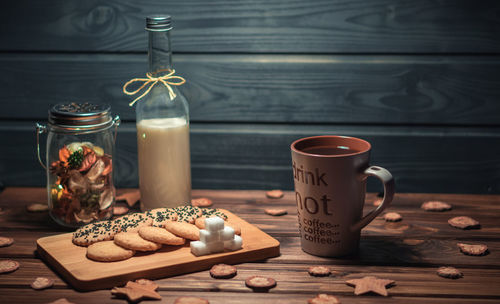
[[158, 23]]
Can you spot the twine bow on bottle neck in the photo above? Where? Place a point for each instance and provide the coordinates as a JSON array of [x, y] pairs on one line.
[[151, 81]]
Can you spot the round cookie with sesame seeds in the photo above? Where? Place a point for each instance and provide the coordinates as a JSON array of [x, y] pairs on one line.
[[95, 232], [209, 212], [161, 215], [188, 214], [132, 222]]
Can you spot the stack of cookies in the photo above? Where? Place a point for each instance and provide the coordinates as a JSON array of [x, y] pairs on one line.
[[121, 238]]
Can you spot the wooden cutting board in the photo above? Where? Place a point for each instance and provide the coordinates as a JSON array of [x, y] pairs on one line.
[[84, 274]]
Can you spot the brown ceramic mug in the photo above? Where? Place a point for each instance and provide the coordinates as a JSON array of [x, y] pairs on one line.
[[330, 175]]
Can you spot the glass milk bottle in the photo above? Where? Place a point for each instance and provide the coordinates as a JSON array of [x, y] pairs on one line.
[[162, 129]]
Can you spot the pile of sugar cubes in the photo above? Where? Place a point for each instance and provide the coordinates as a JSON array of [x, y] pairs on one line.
[[215, 238]]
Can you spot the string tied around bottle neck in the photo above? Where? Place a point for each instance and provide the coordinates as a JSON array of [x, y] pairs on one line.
[[167, 80]]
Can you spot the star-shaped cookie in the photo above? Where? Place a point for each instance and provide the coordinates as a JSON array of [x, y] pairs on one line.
[[136, 291], [370, 283]]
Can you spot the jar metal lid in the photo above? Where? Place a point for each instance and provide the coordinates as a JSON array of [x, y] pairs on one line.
[[86, 116]]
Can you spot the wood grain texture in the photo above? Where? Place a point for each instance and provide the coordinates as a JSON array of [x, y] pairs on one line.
[[422, 238], [12, 295], [435, 250], [381, 26], [232, 156], [382, 254], [403, 90], [411, 281]]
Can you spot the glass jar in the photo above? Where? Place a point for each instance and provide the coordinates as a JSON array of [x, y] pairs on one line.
[[79, 154]]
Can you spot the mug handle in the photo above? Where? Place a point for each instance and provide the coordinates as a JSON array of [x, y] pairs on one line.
[[386, 178]]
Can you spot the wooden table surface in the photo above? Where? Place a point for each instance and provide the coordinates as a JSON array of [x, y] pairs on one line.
[[408, 252]]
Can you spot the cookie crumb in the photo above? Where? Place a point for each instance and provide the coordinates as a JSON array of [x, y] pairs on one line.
[[435, 206], [464, 222], [470, 249], [37, 207], [324, 299], [275, 194], [223, 271], [260, 283], [190, 300], [201, 202], [42, 283], [120, 210], [6, 241], [319, 271], [61, 301], [392, 217], [449, 272], [276, 212], [8, 266]]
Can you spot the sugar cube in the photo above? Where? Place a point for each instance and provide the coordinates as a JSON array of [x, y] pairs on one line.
[[234, 244], [199, 248], [215, 247], [209, 236], [214, 223], [227, 234]]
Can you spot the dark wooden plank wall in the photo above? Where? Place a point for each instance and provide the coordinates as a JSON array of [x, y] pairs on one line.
[[419, 79]]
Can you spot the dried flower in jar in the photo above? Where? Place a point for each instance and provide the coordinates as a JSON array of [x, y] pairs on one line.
[[83, 190]]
